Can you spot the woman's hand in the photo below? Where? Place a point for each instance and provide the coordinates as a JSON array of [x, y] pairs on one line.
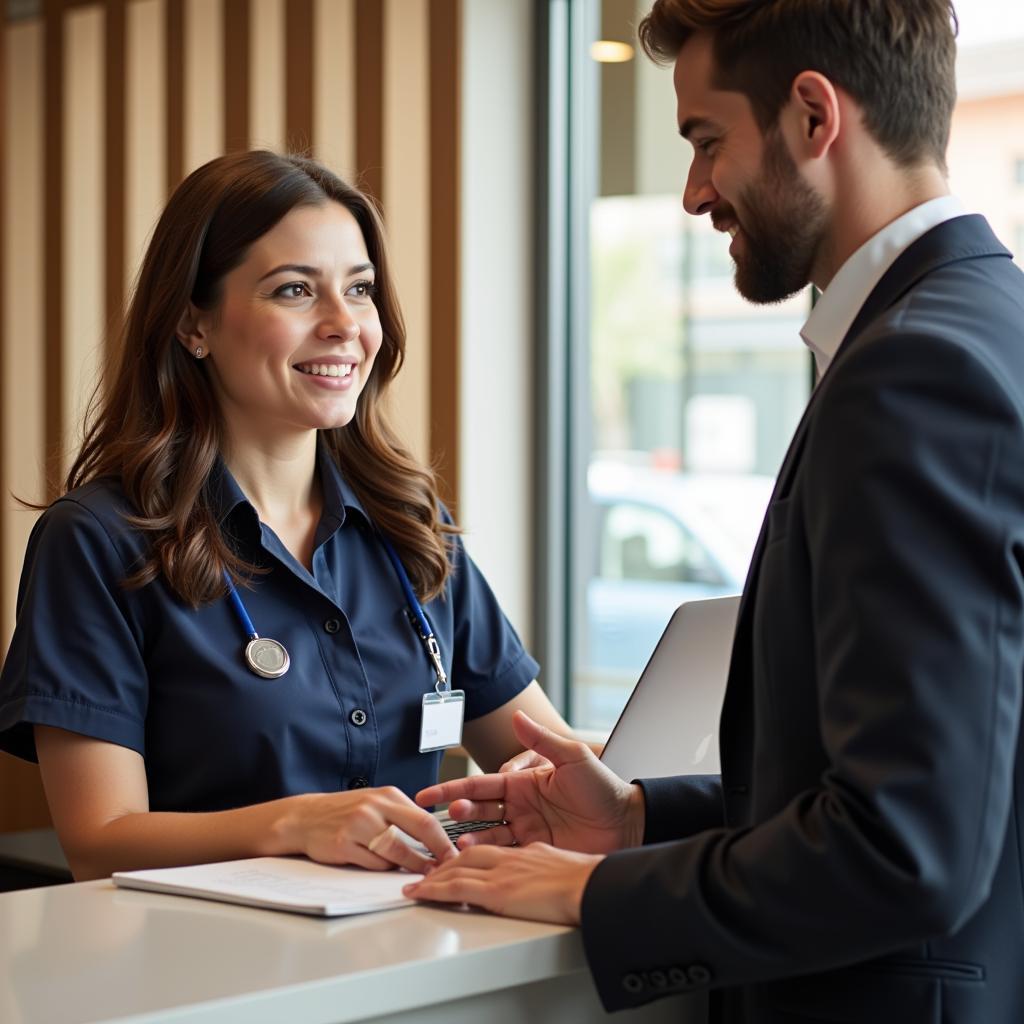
[[99, 800], [571, 800], [365, 827], [536, 882]]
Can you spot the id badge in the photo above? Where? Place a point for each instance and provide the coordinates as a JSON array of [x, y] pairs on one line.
[[441, 721]]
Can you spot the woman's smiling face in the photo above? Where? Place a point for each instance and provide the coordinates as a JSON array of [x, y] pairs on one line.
[[292, 341]]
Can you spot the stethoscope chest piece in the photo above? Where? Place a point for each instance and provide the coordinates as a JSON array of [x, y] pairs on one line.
[[267, 658]]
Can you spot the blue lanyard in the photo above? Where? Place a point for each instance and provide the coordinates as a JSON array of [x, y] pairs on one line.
[[426, 633], [236, 600]]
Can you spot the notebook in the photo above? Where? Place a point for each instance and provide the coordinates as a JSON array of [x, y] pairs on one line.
[[669, 725], [279, 883]]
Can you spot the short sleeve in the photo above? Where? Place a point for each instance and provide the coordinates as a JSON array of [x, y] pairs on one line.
[[75, 660], [489, 661]]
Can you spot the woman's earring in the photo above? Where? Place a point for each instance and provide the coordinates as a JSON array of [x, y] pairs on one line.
[[199, 351]]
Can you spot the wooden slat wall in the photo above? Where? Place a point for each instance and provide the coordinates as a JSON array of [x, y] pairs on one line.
[[23, 404], [369, 95], [53, 240], [80, 339], [443, 229], [3, 312], [267, 83], [174, 100], [405, 114], [298, 75], [114, 170], [370, 86], [236, 75]]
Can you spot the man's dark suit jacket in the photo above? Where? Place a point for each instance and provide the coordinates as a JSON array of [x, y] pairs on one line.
[[860, 858]]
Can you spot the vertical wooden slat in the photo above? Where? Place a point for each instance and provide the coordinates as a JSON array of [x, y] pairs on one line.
[[266, 84], [204, 82], [22, 373], [146, 132], [82, 245], [114, 171], [334, 82], [174, 40], [298, 75], [53, 232], [4, 489], [406, 196], [370, 96], [236, 75], [445, 112], [23, 437]]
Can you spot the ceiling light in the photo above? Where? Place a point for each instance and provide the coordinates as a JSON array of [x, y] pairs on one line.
[[608, 51]]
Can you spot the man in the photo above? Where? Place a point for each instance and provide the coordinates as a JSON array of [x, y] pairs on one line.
[[860, 859]]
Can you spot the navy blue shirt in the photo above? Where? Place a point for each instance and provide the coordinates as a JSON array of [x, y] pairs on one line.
[[139, 668]]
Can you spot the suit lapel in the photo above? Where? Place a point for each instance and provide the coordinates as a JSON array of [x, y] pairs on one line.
[[962, 238]]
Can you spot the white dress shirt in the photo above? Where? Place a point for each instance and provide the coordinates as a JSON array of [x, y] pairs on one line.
[[835, 311]]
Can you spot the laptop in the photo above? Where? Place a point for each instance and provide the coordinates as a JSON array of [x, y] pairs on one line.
[[669, 725]]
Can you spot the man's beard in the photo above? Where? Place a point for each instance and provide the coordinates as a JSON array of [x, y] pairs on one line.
[[783, 225]]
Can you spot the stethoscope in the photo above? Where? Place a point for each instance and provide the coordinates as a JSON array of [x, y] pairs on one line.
[[269, 658]]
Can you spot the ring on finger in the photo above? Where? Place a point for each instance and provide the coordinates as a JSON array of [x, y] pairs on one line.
[[381, 838]]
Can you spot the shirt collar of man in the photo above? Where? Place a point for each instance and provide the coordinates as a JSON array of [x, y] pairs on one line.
[[838, 306], [339, 497]]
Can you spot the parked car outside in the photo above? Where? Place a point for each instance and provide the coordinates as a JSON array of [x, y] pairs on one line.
[[658, 538]]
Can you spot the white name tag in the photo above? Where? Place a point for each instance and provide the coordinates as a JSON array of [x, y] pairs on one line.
[[441, 722]]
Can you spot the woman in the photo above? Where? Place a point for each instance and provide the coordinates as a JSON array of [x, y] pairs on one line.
[[238, 477]]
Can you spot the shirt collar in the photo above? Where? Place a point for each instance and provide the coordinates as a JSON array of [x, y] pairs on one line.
[[339, 496], [225, 494], [838, 306]]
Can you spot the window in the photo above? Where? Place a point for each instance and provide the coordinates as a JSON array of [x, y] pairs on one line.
[[677, 398], [986, 163], [668, 401]]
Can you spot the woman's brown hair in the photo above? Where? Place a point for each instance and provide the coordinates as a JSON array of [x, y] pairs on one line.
[[154, 425]]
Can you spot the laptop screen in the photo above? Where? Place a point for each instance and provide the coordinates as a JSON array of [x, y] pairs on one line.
[[669, 725]]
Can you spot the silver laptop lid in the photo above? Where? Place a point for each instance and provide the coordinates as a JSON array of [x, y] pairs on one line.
[[669, 725]]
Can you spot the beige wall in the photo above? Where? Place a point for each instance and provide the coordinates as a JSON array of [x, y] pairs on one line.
[[175, 88]]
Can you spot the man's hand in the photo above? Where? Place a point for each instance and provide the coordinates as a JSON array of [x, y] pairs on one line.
[[569, 800], [538, 882]]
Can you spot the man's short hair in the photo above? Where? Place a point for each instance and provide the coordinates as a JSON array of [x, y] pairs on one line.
[[896, 58]]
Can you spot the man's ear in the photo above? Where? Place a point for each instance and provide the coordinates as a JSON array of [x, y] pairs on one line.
[[193, 331], [814, 115]]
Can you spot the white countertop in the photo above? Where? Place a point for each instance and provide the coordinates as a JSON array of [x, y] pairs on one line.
[[84, 953]]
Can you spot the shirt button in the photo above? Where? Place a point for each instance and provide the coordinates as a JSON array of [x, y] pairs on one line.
[[332, 625], [358, 717], [359, 782]]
